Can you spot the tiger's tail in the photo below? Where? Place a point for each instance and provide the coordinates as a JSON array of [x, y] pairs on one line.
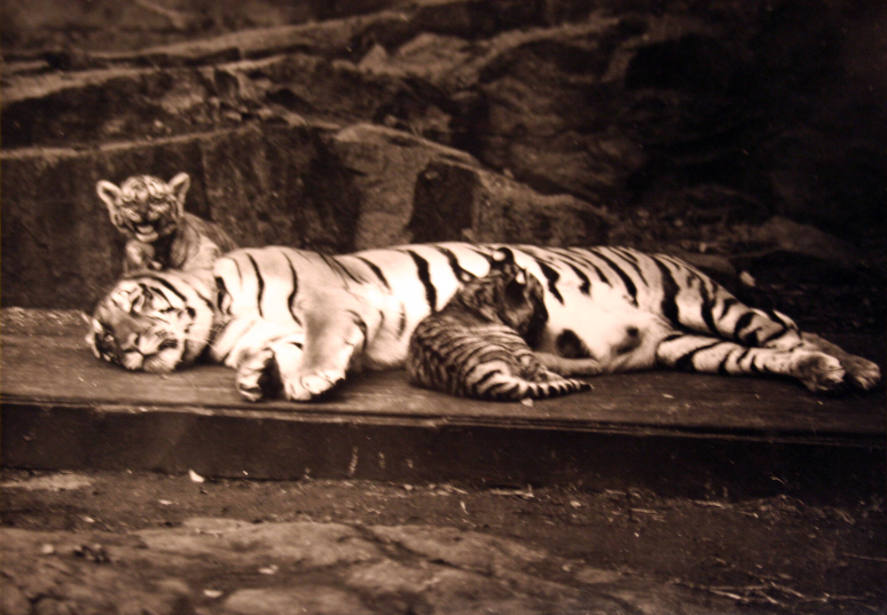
[[507, 387]]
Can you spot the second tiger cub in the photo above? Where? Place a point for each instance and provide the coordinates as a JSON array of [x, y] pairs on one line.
[[477, 345], [160, 234]]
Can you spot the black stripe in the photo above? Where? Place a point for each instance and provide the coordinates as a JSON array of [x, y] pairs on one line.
[[585, 288], [552, 277], [344, 268], [741, 323], [669, 305], [335, 265], [402, 321], [685, 362], [422, 269], [260, 281], [167, 285], [221, 292], [626, 280], [361, 324], [584, 257], [376, 271], [774, 335], [459, 271], [484, 378], [632, 260], [722, 366], [726, 304], [291, 299], [567, 259], [206, 300], [708, 304]]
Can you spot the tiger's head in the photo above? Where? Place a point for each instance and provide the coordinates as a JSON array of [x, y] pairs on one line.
[[153, 322], [145, 207]]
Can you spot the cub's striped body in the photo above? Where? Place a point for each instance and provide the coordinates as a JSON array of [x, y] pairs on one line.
[[310, 318], [476, 346]]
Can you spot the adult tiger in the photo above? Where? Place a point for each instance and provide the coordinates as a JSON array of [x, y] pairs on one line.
[[296, 321]]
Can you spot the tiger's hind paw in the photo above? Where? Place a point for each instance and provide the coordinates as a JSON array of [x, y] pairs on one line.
[[258, 376], [820, 372], [313, 384], [861, 373]]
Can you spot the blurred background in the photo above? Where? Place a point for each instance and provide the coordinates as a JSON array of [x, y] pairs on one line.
[[746, 135]]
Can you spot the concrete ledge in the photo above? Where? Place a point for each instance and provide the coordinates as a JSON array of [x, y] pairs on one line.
[[683, 433]]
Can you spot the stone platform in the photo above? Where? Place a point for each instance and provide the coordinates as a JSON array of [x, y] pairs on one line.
[[683, 433]]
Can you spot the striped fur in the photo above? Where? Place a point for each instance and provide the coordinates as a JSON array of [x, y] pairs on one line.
[[150, 213], [476, 346], [307, 318]]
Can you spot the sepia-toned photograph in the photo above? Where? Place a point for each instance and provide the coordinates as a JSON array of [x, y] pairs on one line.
[[443, 307]]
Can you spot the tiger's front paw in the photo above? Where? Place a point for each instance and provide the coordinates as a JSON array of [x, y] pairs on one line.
[[258, 376], [820, 372], [305, 387]]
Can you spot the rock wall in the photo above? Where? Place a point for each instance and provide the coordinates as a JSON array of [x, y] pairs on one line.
[[345, 125]]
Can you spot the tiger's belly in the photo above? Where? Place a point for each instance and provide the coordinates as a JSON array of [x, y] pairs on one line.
[[607, 328]]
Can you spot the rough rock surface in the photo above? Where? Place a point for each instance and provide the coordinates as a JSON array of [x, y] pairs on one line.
[[215, 565], [132, 542], [335, 126]]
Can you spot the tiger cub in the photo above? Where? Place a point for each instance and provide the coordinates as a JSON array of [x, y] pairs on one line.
[[477, 345], [150, 213]]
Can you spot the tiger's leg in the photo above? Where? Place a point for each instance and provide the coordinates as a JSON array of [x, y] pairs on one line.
[[705, 306], [818, 371], [765, 328], [338, 326], [259, 350]]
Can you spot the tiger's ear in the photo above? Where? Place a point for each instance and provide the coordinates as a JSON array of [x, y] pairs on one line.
[[110, 194]]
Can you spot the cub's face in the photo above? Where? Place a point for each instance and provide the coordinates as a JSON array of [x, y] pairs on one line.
[[151, 323], [510, 295], [144, 207], [522, 304]]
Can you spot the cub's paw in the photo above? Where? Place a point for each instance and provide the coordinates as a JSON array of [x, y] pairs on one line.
[[819, 372], [861, 373], [258, 376], [305, 387]]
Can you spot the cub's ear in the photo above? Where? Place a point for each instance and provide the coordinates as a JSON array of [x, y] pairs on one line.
[[516, 286], [501, 257], [465, 276], [179, 185], [109, 194]]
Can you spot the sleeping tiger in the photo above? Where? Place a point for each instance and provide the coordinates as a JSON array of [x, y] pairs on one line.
[[477, 345], [293, 322], [160, 234]]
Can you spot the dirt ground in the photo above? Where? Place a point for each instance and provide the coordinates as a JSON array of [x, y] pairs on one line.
[[776, 554]]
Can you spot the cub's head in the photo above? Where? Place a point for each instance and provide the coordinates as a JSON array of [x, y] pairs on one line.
[[145, 207], [508, 294], [155, 322]]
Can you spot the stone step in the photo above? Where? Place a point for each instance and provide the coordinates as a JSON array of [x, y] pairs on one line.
[[318, 186], [684, 433]]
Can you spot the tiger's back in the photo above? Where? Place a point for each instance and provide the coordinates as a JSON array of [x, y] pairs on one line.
[[476, 346], [312, 317]]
